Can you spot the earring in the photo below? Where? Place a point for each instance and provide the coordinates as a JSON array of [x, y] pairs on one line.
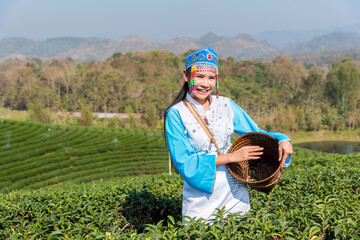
[[192, 78], [217, 83]]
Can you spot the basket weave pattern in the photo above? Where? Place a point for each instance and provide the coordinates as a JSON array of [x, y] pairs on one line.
[[260, 174]]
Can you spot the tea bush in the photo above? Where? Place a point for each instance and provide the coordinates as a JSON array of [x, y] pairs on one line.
[[318, 197], [34, 155]]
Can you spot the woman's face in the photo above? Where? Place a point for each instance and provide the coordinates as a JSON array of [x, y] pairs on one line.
[[205, 83]]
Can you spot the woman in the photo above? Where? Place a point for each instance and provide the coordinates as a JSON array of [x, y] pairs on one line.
[[207, 182]]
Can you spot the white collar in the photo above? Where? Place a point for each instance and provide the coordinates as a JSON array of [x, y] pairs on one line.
[[198, 107]]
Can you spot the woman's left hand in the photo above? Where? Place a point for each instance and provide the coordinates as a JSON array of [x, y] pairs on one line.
[[285, 150]]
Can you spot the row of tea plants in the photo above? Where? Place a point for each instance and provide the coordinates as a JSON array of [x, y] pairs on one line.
[[34, 155], [318, 197]]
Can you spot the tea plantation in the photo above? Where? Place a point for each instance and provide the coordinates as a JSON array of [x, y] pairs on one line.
[[318, 197], [34, 155]]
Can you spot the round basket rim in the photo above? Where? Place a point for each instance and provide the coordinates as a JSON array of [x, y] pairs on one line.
[[255, 183]]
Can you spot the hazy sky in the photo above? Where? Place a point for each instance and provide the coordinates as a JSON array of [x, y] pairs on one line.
[[166, 19]]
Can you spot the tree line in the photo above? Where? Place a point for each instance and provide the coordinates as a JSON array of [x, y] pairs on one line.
[[279, 94]]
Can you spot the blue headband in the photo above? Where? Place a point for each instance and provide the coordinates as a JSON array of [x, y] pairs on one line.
[[202, 57]]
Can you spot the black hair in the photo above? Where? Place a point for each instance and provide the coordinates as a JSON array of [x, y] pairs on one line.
[[181, 95]]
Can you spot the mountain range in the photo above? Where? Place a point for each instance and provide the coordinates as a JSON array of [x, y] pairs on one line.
[[240, 47], [280, 39]]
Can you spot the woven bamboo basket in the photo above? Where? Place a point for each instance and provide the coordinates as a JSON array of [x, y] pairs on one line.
[[260, 174]]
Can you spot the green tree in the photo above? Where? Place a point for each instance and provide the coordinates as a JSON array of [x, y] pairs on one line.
[[86, 117], [116, 55], [311, 88], [151, 117], [342, 84], [130, 112], [39, 113]]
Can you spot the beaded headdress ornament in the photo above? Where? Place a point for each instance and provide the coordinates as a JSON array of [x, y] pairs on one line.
[[202, 60]]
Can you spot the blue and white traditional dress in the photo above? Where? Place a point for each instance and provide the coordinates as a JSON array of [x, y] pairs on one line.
[[207, 186]]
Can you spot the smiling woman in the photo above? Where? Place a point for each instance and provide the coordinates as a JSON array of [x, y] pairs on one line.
[[203, 83], [208, 184]]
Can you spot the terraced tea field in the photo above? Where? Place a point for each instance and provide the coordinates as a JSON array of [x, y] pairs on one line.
[[318, 197], [34, 155]]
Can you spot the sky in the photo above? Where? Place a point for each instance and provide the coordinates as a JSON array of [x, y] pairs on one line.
[[162, 20]]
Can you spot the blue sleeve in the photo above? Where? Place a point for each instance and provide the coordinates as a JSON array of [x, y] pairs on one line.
[[197, 170], [244, 124]]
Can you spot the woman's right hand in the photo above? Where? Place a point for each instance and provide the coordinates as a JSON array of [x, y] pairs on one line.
[[246, 153], [242, 154]]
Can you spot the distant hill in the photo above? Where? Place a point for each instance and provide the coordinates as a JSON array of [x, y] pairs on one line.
[[321, 59], [332, 41], [46, 49], [97, 49], [241, 47], [80, 49], [280, 39]]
